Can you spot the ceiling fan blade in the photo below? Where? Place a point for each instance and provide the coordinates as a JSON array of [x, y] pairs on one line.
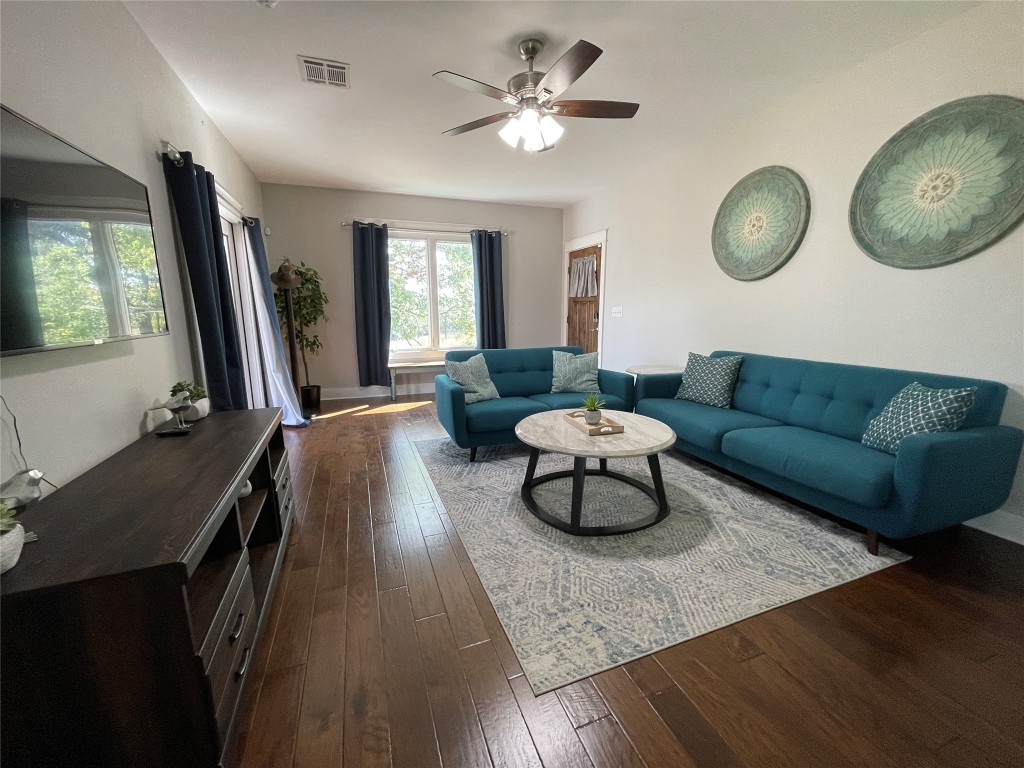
[[567, 69], [483, 121], [469, 84], [594, 108]]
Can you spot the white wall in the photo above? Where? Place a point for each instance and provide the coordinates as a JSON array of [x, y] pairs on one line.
[[86, 72], [305, 225], [830, 302]]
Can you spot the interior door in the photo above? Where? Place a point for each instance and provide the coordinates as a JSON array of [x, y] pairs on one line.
[[583, 320]]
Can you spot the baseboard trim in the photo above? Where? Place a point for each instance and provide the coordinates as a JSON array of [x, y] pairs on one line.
[[1005, 525], [351, 393]]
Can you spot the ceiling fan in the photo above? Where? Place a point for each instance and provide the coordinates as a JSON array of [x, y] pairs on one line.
[[531, 98]]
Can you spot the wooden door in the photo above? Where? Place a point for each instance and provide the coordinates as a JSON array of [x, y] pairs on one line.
[[583, 320]]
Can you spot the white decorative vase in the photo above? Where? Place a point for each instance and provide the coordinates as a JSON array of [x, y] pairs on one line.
[[10, 548], [592, 417], [200, 410]]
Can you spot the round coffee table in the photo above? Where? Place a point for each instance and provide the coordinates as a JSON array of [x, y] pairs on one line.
[[642, 436]]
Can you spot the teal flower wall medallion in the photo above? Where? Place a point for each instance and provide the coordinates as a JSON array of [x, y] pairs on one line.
[[945, 186], [761, 223]]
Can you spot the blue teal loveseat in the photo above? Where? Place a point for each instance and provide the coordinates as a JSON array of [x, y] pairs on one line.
[[523, 379], [795, 426]]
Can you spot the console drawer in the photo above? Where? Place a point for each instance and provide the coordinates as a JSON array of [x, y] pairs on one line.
[[239, 623], [237, 672]]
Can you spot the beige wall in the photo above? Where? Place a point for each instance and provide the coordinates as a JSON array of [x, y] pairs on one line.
[[830, 302], [86, 72], [305, 225]]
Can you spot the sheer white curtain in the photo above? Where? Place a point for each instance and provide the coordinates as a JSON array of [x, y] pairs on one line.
[[583, 278]]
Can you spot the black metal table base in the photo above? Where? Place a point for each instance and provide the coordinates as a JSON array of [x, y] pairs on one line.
[[578, 474]]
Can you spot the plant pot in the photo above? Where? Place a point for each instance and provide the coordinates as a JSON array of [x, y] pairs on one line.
[[310, 399], [592, 417], [10, 548], [200, 409]]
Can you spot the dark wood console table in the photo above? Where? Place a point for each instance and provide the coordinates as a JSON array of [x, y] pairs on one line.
[[126, 630]]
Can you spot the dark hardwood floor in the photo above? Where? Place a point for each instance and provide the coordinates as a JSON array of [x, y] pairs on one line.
[[382, 648]]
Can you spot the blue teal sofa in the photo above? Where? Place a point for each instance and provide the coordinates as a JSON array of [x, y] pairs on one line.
[[795, 427], [523, 379]]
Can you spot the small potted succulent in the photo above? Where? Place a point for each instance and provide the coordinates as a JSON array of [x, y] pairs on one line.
[[200, 402], [593, 404], [12, 538]]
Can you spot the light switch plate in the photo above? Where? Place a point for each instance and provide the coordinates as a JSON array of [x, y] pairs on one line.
[[616, 311]]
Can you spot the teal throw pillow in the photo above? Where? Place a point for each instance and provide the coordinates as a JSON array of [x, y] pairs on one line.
[[574, 373], [710, 380], [473, 377], [917, 408]]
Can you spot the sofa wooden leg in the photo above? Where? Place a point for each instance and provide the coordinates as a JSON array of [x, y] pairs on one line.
[[472, 454], [873, 542]]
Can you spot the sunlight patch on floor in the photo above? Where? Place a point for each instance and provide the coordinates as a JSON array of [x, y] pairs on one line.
[[394, 408], [340, 413]]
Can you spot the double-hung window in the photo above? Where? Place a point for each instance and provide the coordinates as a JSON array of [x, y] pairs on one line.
[[433, 298]]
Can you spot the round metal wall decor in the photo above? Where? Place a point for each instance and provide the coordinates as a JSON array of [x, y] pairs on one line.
[[761, 223], [945, 186]]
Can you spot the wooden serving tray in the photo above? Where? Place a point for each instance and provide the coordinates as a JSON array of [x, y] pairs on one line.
[[605, 427]]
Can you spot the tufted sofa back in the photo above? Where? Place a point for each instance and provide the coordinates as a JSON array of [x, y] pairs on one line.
[[842, 399], [516, 372]]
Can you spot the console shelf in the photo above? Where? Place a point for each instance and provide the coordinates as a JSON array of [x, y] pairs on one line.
[[127, 628]]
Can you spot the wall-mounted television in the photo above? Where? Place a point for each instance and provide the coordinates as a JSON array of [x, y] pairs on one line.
[[77, 258]]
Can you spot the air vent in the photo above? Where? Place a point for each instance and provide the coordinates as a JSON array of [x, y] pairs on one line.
[[324, 72]]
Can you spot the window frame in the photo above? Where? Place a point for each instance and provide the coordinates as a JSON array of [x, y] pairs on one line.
[[434, 353]]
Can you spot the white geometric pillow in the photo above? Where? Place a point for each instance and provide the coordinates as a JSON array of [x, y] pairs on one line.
[[917, 408], [710, 380], [473, 377]]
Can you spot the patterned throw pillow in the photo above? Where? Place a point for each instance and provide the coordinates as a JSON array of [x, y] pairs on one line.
[[574, 373], [917, 408], [710, 380], [473, 377]]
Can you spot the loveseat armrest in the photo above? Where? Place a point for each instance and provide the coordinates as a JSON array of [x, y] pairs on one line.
[[617, 383], [451, 409], [663, 385], [944, 478]]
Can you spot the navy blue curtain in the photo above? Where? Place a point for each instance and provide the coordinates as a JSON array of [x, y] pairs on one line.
[[373, 302], [198, 216], [490, 299]]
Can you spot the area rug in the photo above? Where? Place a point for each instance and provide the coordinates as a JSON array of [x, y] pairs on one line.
[[573, 607]]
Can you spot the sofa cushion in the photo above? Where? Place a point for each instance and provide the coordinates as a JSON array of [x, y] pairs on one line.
[[700, 424], [709, 380], [473, 377], [574, 373], [557, 400], [820, 461], [501, 414], [918, 409]]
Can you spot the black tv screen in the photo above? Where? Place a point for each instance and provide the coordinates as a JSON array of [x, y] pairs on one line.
[[77, 259]]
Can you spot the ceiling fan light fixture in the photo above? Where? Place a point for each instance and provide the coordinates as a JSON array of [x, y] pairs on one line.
[[550, 130], [529, 127], [510, 132]]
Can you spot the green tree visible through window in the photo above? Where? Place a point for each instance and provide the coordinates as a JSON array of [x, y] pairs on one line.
[[414, 297], [139, 277]]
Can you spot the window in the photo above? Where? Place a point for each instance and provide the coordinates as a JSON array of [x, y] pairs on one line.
[[433, 298], [95, 274]]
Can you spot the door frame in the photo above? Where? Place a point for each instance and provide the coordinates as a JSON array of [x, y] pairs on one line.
[[600, 237]]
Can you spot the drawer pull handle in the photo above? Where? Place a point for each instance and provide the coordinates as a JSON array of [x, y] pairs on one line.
[[245, 661], [239, 626]]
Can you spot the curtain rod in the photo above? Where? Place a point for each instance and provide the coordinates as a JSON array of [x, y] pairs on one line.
[[398, 224]]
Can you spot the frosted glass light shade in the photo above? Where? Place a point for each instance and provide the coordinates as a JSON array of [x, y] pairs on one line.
[[529, 127], [510, 133], [550, 130]]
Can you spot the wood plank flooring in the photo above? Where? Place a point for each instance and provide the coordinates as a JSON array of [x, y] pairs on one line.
[[382, 649]]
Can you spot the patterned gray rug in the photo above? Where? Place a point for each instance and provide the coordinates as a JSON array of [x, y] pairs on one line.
[[573, 607]]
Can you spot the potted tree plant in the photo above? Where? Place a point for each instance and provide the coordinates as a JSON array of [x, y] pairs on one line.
[[310, 308]]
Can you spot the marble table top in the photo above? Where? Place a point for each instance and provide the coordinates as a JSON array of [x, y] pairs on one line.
[[550, 432], [637, 369]]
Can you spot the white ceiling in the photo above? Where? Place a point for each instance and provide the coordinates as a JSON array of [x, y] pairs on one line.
[[693, 66]]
